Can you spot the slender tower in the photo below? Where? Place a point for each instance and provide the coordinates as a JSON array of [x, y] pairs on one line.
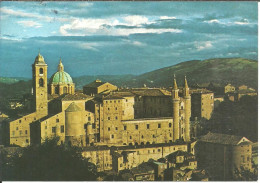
[[187, 109], [40, 94], [176, 103]]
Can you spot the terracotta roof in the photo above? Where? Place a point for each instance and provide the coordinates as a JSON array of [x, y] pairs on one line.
[[219, 138], [73, 108], [76, 96], [153, 92], [95, 84]]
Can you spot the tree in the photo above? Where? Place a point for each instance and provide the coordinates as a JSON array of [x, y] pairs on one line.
[[49, 162]]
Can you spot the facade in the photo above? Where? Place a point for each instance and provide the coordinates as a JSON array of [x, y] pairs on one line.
[[222, 155], [202, 104]]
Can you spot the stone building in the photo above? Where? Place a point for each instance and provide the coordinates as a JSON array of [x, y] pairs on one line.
[[106, 116], [202, 104], [222, 155]]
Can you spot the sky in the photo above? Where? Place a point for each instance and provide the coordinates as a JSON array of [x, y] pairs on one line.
[[112, 38]]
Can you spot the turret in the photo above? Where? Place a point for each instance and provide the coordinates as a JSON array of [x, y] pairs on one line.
[[74, 128], [176, 103], [187, 110]]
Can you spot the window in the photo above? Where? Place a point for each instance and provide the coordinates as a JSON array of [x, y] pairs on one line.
[[159, 150], [116, 117], [25, 131], [130, 137], [148, 126], [108, 128], [116, 108], [17, 128], [142, 137], [56, 90], [124, 127], [108, 118], [159, 125], [89, 118], [62, 129], [20, 121], [65, 89], [41, 70], [136, 127], [153, 136], [93, 125], [57, 120], [170, 135], [108, 108], [41, 84], [112, 136], [170, 125], [27, 140], [116, 128], [53, 129]]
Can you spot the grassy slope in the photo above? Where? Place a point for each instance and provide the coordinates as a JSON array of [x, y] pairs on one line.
[[235, 70]]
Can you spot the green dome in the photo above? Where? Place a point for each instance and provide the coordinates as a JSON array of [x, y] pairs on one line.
[[61, 77]]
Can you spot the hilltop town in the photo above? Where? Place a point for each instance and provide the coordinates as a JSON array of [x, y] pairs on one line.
[[133, 133]]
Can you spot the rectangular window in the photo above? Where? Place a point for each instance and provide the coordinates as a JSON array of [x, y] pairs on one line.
[[57, 120], [136, 127], [108, 118], [20, 121], [148, 126], [27, 140], [93, 125], [25, 131], [108, 128], [62, 129], [159, 125], [89, 118], [124, 127], [116, 118], [170, 125], [112, 136], [116, 128], [53, 130]]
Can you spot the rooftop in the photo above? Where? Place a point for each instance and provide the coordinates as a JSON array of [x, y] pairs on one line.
[[225, 139]]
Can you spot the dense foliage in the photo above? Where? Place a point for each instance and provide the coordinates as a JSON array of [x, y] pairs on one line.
[[48, 162], [236, 118]]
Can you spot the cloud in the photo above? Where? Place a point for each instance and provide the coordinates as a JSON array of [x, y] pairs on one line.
[[81, 27], [19, 13], [212, 21], [166, 18], [30, 23], [203, 45], [242, 22], [136, 20]]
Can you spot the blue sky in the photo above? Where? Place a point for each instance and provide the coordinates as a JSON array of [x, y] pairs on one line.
[[94, 38]]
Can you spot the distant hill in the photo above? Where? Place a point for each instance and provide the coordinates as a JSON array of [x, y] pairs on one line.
[[220, 70], [12, 79], [115, 79], [236, 71]]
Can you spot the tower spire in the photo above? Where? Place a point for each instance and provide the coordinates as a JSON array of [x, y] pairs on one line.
[[175, 87], [186, 83], [60, 66]]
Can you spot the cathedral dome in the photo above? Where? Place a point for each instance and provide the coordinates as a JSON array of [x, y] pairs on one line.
[[61, 77], [39, 59]]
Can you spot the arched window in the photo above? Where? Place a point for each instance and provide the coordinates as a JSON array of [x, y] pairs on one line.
[[56, 90], [41, 82], [64, 89], [41, 70]]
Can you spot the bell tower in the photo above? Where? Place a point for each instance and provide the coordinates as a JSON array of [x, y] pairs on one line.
[[176, 108], [40, 94], [187, 110]]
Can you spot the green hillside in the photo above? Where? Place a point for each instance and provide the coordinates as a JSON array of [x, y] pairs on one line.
[[234, 70]]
